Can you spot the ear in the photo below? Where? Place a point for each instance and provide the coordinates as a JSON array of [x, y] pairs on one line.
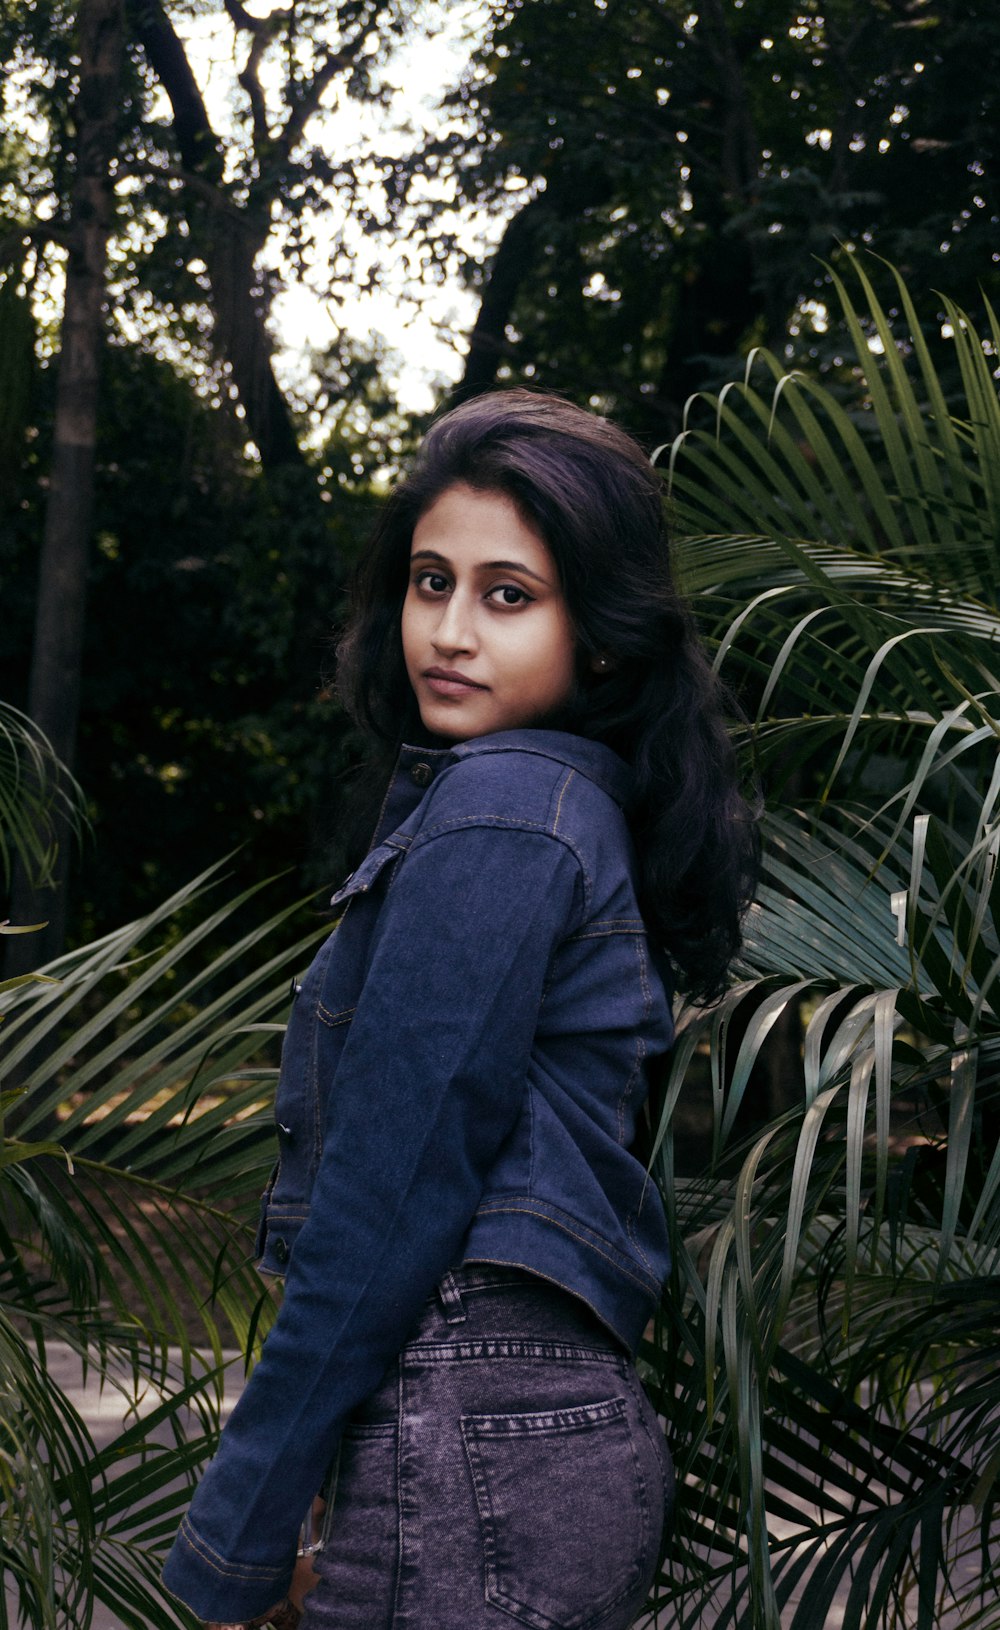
[[602, 664]]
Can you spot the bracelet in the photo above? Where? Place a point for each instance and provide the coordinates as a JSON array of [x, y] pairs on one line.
[[284, 1616]]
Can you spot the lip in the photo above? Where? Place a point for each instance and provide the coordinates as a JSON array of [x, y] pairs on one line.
[[448, 682]]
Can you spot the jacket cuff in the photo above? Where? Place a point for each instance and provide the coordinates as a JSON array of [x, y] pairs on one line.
[[217, 1587]]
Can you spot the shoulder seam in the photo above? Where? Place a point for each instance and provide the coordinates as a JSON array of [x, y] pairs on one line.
[[562, 794], [507, 823]]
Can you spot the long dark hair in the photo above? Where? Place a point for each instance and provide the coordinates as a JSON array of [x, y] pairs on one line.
[[596, 501]]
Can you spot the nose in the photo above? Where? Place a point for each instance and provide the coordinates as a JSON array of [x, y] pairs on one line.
[[455, 632]]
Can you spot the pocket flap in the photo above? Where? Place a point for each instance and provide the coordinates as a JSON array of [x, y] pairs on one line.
[[276, 1236], [370, 869]]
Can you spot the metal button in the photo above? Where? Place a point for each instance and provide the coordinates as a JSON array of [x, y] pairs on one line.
[[280, 1250], [421, 775], [294, 989]]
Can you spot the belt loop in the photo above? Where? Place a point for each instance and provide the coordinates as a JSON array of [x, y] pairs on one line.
[[450, 1298]]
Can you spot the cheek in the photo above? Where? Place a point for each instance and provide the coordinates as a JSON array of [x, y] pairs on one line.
[[553, 665], [567, 645], [408, 633]]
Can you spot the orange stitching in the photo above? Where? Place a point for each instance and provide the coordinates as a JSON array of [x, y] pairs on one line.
[[526, 1211], [633, 1236], [458, 822], [218, 1563], [647, 994], [555, 823], [331, 1019], [608, 933]]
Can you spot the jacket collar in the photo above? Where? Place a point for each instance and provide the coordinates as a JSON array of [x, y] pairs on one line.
[[591, 758], [417, 767]]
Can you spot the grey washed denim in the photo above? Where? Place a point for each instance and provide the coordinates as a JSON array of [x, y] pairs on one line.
[[508, 1470]]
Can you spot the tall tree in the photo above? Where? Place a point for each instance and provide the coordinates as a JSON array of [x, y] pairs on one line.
[[677, 170], [201, 202], [54, 690], [273, 171], [230, 236]]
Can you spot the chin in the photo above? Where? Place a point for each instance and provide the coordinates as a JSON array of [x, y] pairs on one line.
[[449, 728]]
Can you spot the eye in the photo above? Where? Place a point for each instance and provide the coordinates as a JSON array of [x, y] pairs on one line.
[[509, 594], [431, 582]]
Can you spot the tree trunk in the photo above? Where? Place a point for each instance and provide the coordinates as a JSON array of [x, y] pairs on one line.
[[54, 691], [566, 198], [228, 238], [228, 244], [511, 264]]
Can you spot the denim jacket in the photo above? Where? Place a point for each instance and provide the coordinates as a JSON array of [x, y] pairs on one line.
[[459, 1082]]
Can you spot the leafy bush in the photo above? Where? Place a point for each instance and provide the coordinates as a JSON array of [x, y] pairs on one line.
[[829, 1349], [124, 1233]]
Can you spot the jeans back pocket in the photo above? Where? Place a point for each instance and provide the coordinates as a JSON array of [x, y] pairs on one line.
[[563, 1512]]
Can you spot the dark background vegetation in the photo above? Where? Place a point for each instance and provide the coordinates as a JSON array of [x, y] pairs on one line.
[[647, 201], [666, 183]]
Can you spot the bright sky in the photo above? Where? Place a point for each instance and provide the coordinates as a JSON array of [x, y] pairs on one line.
[[424, 325]]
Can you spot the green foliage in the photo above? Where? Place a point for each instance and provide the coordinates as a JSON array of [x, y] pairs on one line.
[[830, 1340], [674, 171], [202, 726], [124, 1233], [32, 783]]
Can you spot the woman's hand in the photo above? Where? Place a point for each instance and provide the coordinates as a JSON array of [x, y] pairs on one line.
[[305, 1576], [283, 1616], [303, 1580]]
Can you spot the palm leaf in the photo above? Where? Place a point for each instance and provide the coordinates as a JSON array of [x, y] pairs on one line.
[[34, 785], [152, 1065], [835, 1269]]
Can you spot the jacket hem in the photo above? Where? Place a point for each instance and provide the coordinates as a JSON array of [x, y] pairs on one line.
[[518, 1231], [219, 1588]]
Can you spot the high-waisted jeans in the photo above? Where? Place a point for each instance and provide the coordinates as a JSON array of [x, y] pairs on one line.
[[508, 1468]]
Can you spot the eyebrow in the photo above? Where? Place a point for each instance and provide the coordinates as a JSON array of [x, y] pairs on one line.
[[484, 566]]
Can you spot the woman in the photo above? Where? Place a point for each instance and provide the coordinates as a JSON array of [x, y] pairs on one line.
[[471, 1248]]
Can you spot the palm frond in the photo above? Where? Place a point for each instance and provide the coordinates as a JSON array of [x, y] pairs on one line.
[[33, 786], [829, 1345], [124, 1232]]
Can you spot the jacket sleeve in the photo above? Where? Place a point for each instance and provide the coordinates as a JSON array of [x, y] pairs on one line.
[[429, 1085]]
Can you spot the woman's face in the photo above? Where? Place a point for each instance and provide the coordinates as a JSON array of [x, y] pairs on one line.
[[487, 638]]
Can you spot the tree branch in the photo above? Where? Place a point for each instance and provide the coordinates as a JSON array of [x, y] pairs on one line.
[[567, 198], [196, 140], [308, 102], [249, 78], [193, 183], [511, 263], [43, 232], [227, 245], [241, 19]]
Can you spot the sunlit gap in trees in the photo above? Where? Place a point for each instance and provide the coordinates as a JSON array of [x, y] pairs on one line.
[[366, 286], [360, 284]]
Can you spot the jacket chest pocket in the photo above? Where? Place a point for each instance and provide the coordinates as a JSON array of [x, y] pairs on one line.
[[345, 973], [374, 865]]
